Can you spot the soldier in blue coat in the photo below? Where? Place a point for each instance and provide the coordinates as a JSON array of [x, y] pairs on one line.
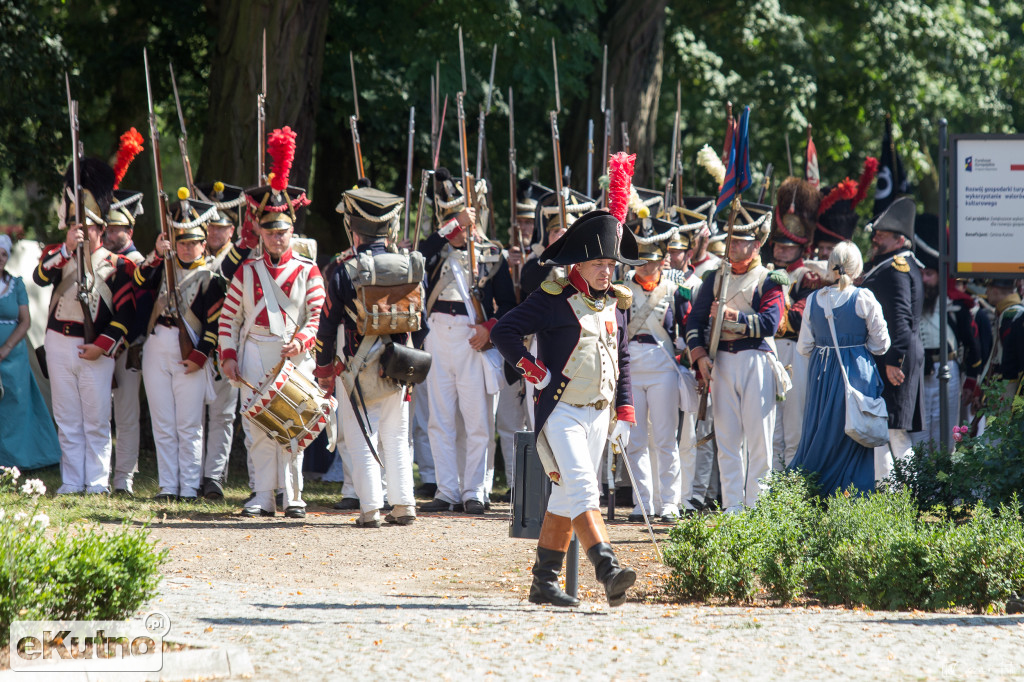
[[894, 277], [581, 375]]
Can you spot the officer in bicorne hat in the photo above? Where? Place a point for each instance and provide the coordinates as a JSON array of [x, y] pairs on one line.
[[581, 372], [176, 386], [548, 218]]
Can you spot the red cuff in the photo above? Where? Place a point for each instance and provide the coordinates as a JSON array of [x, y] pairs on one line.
[[228, 354], [490, 324], [197, 357], [324, 371], [696, 354], [625, 413], [304, 341], [105, 343], [534, 373]]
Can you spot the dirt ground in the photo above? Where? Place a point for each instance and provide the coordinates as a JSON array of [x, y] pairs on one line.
[[440, 554]]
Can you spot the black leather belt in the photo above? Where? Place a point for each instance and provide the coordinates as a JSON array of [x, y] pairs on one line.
[[646, 338], [67, 328], [449, 308], [933, 355]]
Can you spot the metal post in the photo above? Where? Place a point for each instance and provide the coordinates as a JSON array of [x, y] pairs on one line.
[[572, 568], [944, 374]]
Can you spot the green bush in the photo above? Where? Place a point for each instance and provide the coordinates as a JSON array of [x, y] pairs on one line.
[[873, 550], [785, 512], [88, 575]]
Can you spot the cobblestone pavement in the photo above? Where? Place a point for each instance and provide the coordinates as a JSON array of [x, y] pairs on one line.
[[319, 633]]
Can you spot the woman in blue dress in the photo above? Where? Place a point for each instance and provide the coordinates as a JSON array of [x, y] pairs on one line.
[[825, 449], [28, 438]]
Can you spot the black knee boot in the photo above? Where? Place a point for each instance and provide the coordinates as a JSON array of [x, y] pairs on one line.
[[615, 578], [545, 589]]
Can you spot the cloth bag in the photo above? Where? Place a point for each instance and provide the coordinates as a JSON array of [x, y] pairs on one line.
[[867, 419]]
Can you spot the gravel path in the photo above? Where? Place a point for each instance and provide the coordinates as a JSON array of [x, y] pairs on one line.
[[445, 599]]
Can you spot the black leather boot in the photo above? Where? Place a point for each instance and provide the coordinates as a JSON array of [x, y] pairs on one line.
[[615, 578], [545, 589]]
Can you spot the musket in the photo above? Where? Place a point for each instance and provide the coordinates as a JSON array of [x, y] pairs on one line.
[[183, 138], [590, 156], [467, 189], [766, 183], [440, 134], [608, 132], [408, 170], [433, 115], [424, 179], [789, 157], [261, 121], [354, 120], [556, 144], [173, 296], [83, 260], [606, 111], [515, 237]]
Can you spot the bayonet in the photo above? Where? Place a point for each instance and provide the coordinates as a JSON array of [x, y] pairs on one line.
[[558, 94], [183, 138], [354, 120], [557, 149], [515, 237], [408, 170], [604, 75], [484, 110], [590, 155], [440, 133], [625, 136], [261, 120], [670, 196], [433, 115], [766, 183], [462, 61]]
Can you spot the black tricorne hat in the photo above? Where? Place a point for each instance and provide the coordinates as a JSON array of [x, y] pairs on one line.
[[597, 234]]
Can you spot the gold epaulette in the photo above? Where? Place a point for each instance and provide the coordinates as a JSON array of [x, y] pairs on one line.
[[900, 263], [623, 295], [554, 287]]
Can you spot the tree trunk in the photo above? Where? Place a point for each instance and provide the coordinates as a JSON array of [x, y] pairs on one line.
[[635, 35], [295, 52]]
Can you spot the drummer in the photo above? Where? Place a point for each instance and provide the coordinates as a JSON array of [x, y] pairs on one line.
[[271, 313], [176, 386]]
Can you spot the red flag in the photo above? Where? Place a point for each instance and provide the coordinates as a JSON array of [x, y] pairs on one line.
[[811, 173]]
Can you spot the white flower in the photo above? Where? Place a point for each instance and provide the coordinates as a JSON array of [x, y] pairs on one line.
[[42, 520], [15, 473], [20, 516], [3, 513], [34, 487]]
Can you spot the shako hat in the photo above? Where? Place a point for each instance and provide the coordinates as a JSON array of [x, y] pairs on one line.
[[653, 237], [371, 212], [126, 208], [188, 217], [227, 199], [96, 178], [548, 214]]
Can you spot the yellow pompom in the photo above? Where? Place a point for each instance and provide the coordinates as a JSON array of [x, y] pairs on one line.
[[270, 178], [183, 193], [218, 187], [643, 213]]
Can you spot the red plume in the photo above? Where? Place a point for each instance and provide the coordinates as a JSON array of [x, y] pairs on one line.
[[620, 174], [281, 147], [846, 189], [870, 170], [131, 145]]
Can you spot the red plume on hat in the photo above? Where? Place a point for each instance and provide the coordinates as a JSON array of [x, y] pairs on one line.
[[281, 147], [846, 189], [131, 146], [620, 176], [870, 170]]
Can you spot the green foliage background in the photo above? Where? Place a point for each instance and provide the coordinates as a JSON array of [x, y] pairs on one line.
[[839, 67]]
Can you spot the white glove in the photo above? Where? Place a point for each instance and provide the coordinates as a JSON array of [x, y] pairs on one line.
[[680, 344], [620, 432]]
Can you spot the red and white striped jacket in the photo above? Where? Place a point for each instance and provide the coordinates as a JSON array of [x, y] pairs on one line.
[[299, 279]]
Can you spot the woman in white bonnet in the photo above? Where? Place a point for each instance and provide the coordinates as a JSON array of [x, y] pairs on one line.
[[28, 439], [825, 449]]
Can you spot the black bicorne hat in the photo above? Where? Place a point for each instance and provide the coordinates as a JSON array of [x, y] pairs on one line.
[[596, 234], [898, 217], [926, 239]]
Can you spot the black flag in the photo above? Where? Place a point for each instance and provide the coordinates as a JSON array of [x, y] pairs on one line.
[[892, 180]]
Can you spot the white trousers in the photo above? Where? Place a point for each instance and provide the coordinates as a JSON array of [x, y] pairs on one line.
[[220, 428], [82, 413], [456, 386], [653, 451], [388, 430], [932, 403], [421, 434], [577, 436], [509, 418], [789, 414], [273, 467], [900, 446], [126, 419], [743, 395], [176, 410]]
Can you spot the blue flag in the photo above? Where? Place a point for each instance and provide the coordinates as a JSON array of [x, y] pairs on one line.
[[737, 173]]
